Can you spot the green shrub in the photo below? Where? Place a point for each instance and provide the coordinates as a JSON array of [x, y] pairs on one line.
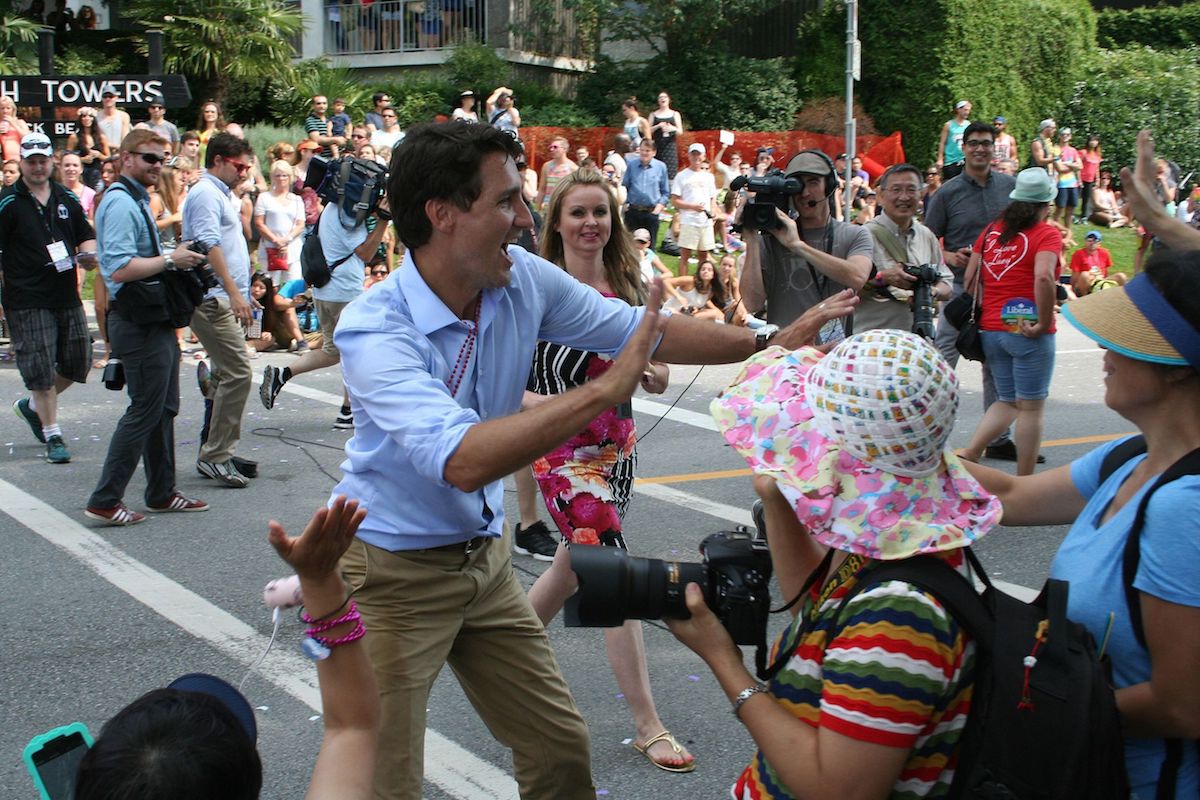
[[84, 60], [1160, 27], [290, 100], [1137, 88], [476, 66], [262, 137], [918, 59], [418, 106]]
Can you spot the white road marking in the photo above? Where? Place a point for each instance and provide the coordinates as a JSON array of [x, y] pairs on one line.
[[458, 772]]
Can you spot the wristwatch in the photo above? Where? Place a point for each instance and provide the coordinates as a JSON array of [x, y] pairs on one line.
[[763, 337], [168, 263], [746, 694]]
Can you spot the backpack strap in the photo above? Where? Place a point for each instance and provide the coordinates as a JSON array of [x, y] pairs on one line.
[[889, 241], [1188, 465], [1130, 448]]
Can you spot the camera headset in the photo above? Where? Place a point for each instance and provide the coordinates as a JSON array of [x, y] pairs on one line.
[[831, 183]]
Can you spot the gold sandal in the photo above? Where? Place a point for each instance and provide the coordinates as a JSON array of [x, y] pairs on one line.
[[665, 736]]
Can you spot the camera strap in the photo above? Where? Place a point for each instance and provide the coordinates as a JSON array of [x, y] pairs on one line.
[[820, 279]]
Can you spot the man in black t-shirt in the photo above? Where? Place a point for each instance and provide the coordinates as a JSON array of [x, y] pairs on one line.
[[44, 235]]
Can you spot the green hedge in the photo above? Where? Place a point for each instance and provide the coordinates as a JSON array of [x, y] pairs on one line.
[[1160, 27], [1137, 88], [1017, 58]]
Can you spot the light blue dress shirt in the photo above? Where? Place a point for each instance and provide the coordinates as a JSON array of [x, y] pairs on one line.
[[647, 183], [123, 232], [399, 343], [212, 215]]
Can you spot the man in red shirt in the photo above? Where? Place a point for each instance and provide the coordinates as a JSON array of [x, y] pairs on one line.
[[1090, 264]]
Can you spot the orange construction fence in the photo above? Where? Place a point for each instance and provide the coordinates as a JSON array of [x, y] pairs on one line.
[[877, 152]]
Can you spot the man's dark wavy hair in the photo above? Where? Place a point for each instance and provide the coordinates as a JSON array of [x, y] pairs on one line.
[[440, 162], [171, 745]]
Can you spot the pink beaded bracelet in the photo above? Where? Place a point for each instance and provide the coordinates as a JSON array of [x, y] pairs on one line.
[[320, 626], [353, 636]]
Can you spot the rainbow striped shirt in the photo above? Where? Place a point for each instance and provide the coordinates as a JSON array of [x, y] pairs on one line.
[[898, 672]]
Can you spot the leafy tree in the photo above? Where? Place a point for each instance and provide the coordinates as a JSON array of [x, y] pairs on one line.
[[84, 60], [217, 42], [1135, 88], [18, 46]]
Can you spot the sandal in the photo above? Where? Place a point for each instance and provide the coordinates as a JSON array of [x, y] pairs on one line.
[[667, 737]]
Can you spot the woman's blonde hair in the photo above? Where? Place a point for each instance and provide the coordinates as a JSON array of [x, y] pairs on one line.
[[621, 260], [283, 166]]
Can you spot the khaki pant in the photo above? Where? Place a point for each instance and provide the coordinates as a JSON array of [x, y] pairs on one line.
[[426, 608], [225, 340]]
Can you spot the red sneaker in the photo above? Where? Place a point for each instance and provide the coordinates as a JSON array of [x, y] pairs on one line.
[[119, 514], [179, 503]]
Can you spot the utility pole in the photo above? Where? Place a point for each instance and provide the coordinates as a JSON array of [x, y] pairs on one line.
[[853, 73]]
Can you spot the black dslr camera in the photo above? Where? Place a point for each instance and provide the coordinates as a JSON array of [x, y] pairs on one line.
[[926, 276], [771, 191], [203, 273], [734, 575]]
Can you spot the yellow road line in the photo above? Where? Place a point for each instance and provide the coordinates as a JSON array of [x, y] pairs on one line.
[[688, 477]]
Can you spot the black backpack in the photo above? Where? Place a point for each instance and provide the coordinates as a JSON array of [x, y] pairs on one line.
[[315, 270], [1043, 723], [1168, 777]]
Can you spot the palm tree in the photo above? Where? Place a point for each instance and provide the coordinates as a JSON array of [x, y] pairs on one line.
[[18, 46], [218, 41]]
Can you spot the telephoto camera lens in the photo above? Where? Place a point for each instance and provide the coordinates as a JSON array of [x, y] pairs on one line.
[[614, 587]]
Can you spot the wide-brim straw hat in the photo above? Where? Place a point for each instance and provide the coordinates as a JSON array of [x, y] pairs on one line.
[[856, 441], [1135, 320]]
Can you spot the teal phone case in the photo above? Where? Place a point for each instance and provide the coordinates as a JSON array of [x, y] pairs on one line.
[[41, 740]]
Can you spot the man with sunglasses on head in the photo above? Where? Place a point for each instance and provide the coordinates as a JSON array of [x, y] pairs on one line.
[[133, 264], [157, 109], [212, 218]]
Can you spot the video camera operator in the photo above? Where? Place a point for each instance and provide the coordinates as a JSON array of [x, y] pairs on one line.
[[808, 256], [907, 257]]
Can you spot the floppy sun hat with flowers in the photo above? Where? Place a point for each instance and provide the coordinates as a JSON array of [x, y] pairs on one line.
[[856, 441]]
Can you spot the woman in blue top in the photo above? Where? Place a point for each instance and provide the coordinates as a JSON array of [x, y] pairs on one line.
[[1151, 331]]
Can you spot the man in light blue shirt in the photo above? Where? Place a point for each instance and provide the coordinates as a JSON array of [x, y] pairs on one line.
[[435, 359], [648, 190], [144, 339], [211, 217], [350, 246]]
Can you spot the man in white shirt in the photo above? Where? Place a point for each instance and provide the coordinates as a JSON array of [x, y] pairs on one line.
[[693, 192], [390, 135], [114, 123]]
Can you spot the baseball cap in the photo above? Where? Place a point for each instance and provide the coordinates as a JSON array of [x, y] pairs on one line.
[[961, 104], [1094, 235], [36, 144], [222, 691], [765, 150], [1001, 120], [641, 235], [467, 93], [155, 99], [1065, 130], [808, 163], [108, 89], [1047, 123], [696, 147]]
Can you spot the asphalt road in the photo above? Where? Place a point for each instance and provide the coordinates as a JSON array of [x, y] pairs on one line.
[[96, 616]]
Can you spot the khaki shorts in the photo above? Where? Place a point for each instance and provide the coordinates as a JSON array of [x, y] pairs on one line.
[[328, 313], [696, 237]]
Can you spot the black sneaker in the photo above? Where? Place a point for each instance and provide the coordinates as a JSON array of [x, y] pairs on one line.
[[344, 422], [1006, 451], [222, 472], [272, 383], [536, 541]]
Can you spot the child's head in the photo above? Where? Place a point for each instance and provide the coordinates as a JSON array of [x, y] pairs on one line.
[[339, 105]]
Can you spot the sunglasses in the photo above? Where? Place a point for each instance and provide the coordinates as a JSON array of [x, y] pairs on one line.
[[153, 159], [87, 115], [241, 167], [155, 106]]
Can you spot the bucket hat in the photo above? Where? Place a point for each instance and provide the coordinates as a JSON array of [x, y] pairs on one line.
[[856, 441], [1034, 185]]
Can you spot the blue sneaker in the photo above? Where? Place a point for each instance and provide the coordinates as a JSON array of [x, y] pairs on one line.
[[21, 409], [56, 451]]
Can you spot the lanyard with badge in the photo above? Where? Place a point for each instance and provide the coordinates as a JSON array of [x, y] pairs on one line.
[[60, 257], [834, 330]]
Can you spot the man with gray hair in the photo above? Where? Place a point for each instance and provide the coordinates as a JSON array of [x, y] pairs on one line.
[[900, 241]]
